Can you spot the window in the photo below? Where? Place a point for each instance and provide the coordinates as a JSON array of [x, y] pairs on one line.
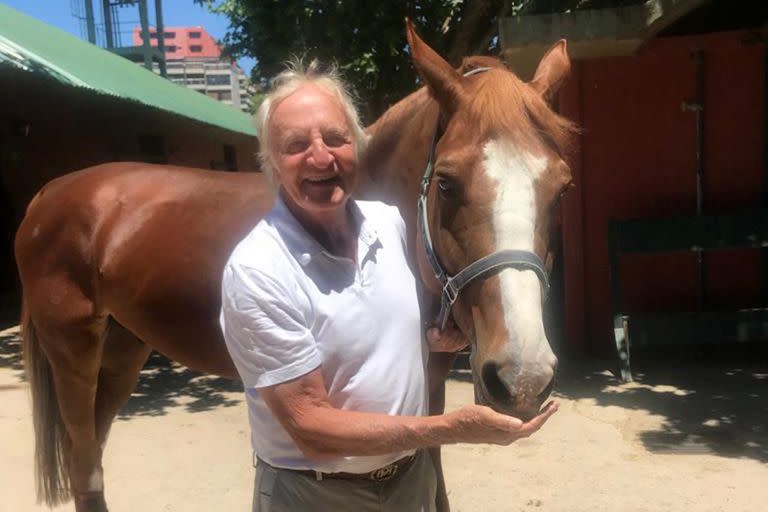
[[225, 96], [217, 80], [196, 48], [170, 48], [194, 35], [166, 35]]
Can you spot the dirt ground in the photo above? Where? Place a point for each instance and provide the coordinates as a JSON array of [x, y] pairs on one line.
[[690, 436]]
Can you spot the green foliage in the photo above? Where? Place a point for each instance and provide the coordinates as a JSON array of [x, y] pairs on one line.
[[254, 101], [366, 39]]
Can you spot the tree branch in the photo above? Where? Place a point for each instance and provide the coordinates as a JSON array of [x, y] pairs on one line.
[[485, 41], [477, 14]]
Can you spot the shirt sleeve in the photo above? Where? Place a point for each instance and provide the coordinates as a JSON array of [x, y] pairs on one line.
[[265, 328]]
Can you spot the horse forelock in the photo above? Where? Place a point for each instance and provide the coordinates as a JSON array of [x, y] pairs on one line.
[[501, 105]]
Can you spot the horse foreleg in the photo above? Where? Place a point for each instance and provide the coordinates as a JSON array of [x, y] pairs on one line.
[[440, 364]]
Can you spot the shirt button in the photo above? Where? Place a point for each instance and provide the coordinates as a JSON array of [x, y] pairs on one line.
[[305, 258]]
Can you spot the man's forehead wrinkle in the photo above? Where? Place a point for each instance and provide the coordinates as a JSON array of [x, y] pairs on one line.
[[288, 130]]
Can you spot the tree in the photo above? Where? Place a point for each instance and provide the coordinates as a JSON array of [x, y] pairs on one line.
[[366, 39]]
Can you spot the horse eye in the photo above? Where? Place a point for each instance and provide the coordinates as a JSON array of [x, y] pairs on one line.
[[445, 186]]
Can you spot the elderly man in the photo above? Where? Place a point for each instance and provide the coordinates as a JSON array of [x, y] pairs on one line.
[[335, 383]]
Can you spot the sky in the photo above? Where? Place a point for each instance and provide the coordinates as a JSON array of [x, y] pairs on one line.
[[175, 13]]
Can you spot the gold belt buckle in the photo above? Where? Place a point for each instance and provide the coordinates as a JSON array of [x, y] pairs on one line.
[[383, 474]]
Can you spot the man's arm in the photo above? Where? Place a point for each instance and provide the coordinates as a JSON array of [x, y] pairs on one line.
[[322, 431]]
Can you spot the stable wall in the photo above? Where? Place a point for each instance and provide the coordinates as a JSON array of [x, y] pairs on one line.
[[48, 129], [637, 159]]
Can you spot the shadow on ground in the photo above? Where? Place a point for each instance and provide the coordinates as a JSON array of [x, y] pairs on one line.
[[10, 350], [712, 400], [164, 384]]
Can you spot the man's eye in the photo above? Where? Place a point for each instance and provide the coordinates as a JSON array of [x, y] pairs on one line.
[[335, 140], [296, 146]]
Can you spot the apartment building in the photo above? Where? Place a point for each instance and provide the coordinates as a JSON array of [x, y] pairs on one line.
[[194, 60]]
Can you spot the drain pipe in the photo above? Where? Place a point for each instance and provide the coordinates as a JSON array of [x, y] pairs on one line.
[[697, 106]]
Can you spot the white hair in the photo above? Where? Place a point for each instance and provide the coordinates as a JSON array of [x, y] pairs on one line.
[[289, 81]]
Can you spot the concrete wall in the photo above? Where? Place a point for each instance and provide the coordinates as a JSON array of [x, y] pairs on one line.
[[591, 33]]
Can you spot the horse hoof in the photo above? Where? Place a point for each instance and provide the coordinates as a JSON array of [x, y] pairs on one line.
[[90, 502]]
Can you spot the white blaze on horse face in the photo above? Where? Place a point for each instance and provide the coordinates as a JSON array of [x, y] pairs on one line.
[[515, 172]]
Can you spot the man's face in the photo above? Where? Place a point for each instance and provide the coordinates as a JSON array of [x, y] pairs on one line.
[[312, 147]]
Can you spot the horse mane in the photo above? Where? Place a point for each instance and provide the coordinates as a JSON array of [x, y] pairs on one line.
[[501, 104]]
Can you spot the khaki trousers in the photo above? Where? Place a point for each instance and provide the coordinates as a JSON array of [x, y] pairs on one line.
[[282, 490]]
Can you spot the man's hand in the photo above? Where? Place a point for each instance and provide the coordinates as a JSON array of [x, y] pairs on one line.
[[481, 424], [449, 340]]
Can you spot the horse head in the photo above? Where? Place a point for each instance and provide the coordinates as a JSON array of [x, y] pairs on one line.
[[498, 172]]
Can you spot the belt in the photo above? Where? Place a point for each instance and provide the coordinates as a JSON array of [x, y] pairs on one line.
[[381, 474]]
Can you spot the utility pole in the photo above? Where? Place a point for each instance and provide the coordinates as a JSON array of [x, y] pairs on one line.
[[89, 21], [160, 27], [146, 43], [107, 6]]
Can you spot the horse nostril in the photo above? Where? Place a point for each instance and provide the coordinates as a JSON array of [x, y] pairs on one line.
[[498, 391]]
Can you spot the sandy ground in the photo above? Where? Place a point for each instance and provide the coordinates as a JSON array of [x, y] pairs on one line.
[[691, 437]]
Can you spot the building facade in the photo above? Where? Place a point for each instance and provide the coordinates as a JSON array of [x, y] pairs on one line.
[[194, 60]]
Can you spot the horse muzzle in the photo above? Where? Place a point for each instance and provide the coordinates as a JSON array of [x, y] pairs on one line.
[[515, 391]]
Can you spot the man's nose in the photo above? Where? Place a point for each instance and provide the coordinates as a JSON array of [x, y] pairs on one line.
[[319, 155]]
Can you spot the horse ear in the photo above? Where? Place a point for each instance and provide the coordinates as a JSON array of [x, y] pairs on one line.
[[553, 69], [443, 80]]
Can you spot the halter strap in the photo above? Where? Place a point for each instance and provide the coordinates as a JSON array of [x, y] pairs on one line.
[[452, 285]]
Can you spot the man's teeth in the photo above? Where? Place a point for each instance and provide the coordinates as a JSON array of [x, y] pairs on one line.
[[319, 179]]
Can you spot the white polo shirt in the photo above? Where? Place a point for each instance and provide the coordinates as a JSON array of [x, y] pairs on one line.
[[288, 307]]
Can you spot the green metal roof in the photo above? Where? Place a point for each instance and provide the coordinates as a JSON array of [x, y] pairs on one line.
[[37, 47]]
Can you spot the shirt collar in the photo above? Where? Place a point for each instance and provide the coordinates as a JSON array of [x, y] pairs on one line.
[[303, 245]]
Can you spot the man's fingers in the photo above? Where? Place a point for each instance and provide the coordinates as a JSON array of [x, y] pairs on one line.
[[535, 424]]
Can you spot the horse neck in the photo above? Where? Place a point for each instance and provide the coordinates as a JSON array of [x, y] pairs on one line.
[[397, 152]]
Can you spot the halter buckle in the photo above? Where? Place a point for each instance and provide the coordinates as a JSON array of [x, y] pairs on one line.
[[450, 292]]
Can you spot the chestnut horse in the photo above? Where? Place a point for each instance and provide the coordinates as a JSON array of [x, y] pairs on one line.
[[123, 258]]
